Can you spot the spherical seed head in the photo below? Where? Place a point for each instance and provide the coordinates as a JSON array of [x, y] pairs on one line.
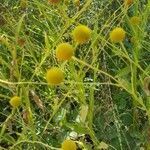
[[54, 76], [64, 51], [69, 145], [117, 35], [128, 2], [54, 1], [15, 101], [135, 20], [81, 34]]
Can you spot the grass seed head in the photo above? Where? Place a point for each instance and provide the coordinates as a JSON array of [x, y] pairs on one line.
[[117, 35], [54, 76], [81, 34], [64, 51], [69, 145], [15, 101]]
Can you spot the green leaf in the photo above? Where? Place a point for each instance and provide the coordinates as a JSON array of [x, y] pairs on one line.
[[19, 26], [123, 72]]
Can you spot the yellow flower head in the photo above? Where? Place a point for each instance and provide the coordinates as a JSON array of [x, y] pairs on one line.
[[54, 76], [69, 145], [128, 2], [15, 101], [54, 1], [117, 35], [64, 51], [135, 20], [81, 34]]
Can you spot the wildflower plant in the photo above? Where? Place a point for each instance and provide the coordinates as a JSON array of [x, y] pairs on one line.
[[77, 73]]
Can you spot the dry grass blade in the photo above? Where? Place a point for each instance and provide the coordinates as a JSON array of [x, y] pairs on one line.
[[37, 100]]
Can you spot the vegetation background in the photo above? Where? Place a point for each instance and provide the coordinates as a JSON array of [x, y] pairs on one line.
[[104, 101]]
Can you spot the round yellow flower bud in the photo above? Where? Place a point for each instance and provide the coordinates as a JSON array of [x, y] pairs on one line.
[[64, 51], [117, 35], [69, 145], [81, 34], [15, 101], [135, 20], [54, 76]]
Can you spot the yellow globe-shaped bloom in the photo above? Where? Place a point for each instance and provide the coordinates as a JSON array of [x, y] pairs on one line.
[[15, 101], [117, 35], [69, 145], [128, 2], [81, 34], [135, 20], [64, 51], [54, 76]]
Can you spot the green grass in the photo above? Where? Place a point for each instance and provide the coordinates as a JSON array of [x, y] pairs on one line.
[[102, 103]]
